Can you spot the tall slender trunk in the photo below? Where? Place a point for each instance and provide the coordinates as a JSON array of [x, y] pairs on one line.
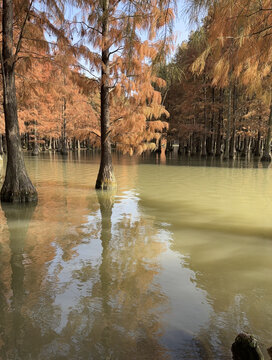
[[35, 146], [17, 186], [181, 145], [233, 139], [229, 121], [64, 150], [50, 143], [257, 151], [219, 126], [204, 135], [266, 155], [105, 179], [210, 142]]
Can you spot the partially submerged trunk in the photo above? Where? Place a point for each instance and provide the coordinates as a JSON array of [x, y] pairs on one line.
[[105, 179], [17, 186], [246, 347]]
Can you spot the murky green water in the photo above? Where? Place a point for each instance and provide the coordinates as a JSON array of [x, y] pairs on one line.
[[171, 266]]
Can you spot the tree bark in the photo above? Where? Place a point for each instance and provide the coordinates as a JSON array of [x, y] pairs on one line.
[[105, 179], [17, 186]]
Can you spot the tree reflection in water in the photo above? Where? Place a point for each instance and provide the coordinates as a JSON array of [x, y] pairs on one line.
[[12, 302], [94, 297]]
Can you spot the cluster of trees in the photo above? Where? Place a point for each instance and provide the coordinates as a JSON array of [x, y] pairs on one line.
[[102, 77], [43, 54], [219, 91]]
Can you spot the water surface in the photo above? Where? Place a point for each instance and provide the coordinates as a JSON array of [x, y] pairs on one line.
[[172, 265]]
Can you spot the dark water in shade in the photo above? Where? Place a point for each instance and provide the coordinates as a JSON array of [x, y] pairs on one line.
[[171, 266]]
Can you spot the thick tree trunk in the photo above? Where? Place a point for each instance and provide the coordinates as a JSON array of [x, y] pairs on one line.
[[266, 155], [17, 186], [105, 179]]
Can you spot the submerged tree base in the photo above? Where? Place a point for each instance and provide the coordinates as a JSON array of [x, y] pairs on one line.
[[106, 184], [19, 192], [246, 347]]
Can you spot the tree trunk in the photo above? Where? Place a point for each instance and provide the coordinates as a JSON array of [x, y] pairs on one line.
[[257, 151], [266, 155], [181, 145], [158, 150], [50, 143], [1, 145], [246, 146], [246, 347], [17, 186], [35, 146], [204, 145], [218, 138], [63, 150], [210, 142], [229, 121], [105, 179]]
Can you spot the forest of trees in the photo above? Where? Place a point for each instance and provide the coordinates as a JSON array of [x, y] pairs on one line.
[[102, 79], [219, 92]]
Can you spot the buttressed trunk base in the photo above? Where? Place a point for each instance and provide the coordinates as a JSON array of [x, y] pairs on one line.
[[105, 179], [17, 187]]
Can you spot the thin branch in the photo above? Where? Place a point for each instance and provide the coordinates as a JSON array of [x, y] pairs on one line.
[[118, 49], [93, 132], [260, 31], [88, 26]]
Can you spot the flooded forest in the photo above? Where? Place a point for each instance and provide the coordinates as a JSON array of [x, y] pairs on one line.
[[136, 180]]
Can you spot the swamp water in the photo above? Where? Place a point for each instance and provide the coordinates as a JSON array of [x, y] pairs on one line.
[[172, 265]]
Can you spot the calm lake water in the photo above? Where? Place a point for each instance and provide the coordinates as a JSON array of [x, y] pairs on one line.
[[172, 265]]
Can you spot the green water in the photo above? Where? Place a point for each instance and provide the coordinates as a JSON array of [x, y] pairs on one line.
[[172, 265]]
